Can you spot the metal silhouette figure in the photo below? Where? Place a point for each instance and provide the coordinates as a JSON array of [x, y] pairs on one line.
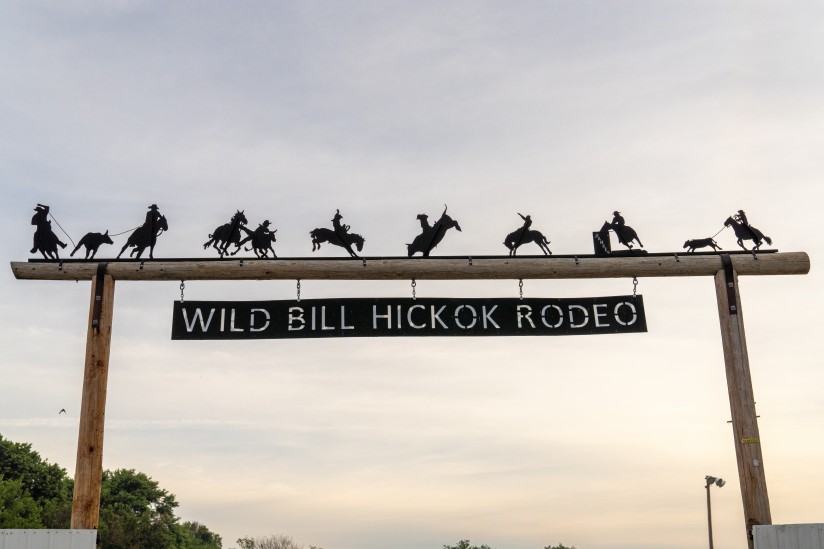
[[525, 235], [626, 234], [261, 239], [146, 235], [92, 241], [45, 241], [696, 243], [339, 235], [745, 231], [229, 233], [431, 235]]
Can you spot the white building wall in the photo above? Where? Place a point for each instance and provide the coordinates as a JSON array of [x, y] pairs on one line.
[[789, 536], [48, 539]]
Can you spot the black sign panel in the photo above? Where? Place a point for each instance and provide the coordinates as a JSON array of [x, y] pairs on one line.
[[387, 317]]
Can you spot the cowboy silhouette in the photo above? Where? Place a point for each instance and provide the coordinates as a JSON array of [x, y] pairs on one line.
[[741, 217], [625, 233], [45, 241], [153, 218]]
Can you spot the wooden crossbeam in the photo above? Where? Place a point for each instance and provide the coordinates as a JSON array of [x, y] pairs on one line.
[[464, 268]]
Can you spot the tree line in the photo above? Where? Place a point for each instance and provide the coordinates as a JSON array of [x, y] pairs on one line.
[[135, 513]]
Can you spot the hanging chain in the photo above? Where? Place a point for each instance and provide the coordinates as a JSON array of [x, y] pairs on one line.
[[521, 288], [182, 286], [298, 290], [634, 287], [414, 284]]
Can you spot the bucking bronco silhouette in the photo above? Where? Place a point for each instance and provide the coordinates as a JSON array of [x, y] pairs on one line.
[[525, 235], [45, 241], [146, 235], [747, 232], [338, 236], [431, 235], [229, 233]]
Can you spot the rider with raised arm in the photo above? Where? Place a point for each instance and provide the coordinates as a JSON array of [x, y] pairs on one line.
[[43, 234]]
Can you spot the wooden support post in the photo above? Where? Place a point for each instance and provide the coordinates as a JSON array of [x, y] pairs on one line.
[[88, 474], [742, 403]]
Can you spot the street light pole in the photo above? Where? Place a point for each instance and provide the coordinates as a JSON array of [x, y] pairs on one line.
[[719, 482]]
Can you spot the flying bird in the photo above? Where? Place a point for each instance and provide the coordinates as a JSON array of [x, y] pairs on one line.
[[62, 411]]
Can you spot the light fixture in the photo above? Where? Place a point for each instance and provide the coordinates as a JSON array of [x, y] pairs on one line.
[[710, 481]]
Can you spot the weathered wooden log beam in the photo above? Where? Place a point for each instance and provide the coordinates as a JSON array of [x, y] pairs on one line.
[[788, 263]]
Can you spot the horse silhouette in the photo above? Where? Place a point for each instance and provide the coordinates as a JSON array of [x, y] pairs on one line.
[[343, 239], [431, 235], [227, 234], [625, 233], [747, 232], [92, 241], [144, 237], [45, 241], [518, 238]]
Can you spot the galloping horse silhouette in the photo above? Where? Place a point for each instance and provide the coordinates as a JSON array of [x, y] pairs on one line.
[[144, 237], [625, 233], [228, 233], [344, 239], [747, 232], [431, 236], [518, 238]]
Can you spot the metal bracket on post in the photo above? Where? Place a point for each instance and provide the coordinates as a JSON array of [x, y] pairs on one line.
[[729, 282], [98, 295]]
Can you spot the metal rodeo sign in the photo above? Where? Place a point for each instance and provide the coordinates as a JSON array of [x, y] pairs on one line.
[[387, 317]]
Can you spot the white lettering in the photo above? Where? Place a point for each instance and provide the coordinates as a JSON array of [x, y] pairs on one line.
[[560, 316], [409, 317], [197, 316], [376, 316], [343, 325], [435, 316], [474, 316], [293, 317], [598, 315], [223, 320], [323, 325], [634, 313], [232, 323], [527, 316], [488, 316], [572, 319], [252, 320]]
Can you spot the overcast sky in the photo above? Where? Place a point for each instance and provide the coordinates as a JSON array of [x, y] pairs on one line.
[[675, 113]]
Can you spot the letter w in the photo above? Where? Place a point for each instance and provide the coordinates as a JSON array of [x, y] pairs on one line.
[[198, 315]]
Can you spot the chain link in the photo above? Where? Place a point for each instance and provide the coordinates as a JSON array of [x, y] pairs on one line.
[[298, 290], [634, 287], [521, 288], [182, 286], [414, 284]]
